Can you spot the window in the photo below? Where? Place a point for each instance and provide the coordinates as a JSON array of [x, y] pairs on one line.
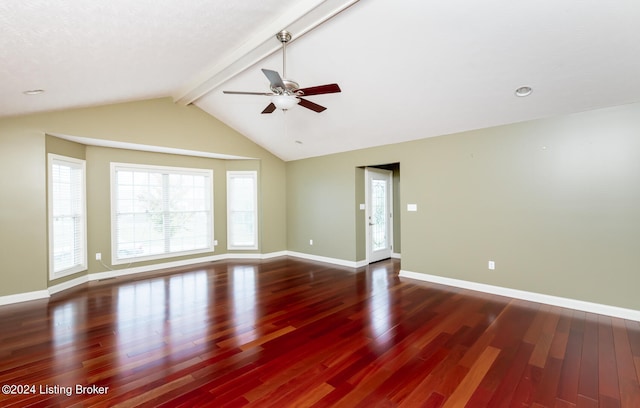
[[159, 212], [242, 210], [67, 216]]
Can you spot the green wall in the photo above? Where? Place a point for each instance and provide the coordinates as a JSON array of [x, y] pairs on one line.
[[23, 244], [555, 203], [323, 204], [25, 142]]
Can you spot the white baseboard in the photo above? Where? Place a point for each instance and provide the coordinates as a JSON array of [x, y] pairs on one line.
[[335, 261], [396, 255], [150, 268], [581, 305], [68, 284], [273, 255], [360, 264], [176, 264], [236, 255], [23, 297]]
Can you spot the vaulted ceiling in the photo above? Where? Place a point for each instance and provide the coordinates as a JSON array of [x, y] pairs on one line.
[[407, 69]]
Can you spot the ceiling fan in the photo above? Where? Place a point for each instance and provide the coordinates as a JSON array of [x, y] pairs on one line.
[[285, 94]]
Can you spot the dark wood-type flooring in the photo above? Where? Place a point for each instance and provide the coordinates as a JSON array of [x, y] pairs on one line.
[[287, 332]]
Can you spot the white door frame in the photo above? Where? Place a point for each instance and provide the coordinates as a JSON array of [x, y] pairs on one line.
[[386, 253]]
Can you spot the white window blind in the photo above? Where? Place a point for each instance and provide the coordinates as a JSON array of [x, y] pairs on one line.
[[159, 212], [67, 216], [242, 210]]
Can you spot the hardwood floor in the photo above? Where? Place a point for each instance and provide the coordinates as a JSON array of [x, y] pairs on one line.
[[287, 332]]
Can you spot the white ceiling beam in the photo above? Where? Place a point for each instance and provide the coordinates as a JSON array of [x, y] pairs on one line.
[[301, 19]]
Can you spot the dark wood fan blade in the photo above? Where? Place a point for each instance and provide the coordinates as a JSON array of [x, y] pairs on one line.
[[319, 90], [270, 108], [310, 105], [274, 78], [247, 93]]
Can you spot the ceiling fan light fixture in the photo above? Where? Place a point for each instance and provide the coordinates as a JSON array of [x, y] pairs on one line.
[[284, 102]]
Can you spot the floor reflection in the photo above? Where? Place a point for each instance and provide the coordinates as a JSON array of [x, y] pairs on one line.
[[68, 330], [141, 315], [242, 289], [161, 312], [188, 300], [379, 303], [64, 324]]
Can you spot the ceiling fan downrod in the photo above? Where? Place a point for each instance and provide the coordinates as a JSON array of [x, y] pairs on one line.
[[284, 37]]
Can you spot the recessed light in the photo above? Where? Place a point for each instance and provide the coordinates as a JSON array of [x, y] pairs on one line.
[[524, 91], [34, 92]]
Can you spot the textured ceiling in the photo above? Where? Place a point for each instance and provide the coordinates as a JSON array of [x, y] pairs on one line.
[[102, 51], [407, 69]]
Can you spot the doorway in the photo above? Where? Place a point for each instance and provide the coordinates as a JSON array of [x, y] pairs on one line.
[[378, 213]]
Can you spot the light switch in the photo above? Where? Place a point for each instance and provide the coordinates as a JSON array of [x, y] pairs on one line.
[[362, 206]]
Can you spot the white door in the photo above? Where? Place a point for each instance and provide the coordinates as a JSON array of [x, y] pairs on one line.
[[379, 213]]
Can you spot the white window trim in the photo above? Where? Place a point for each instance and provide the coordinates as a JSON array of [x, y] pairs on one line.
[[175, 170], [53, 158], [230, 175]]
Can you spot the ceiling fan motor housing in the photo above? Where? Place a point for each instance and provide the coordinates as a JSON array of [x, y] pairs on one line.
[[290, 88]]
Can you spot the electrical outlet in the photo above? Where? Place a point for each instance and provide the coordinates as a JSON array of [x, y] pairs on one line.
[[491, 265], [215, 242], [310, 242], [98, 256]]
